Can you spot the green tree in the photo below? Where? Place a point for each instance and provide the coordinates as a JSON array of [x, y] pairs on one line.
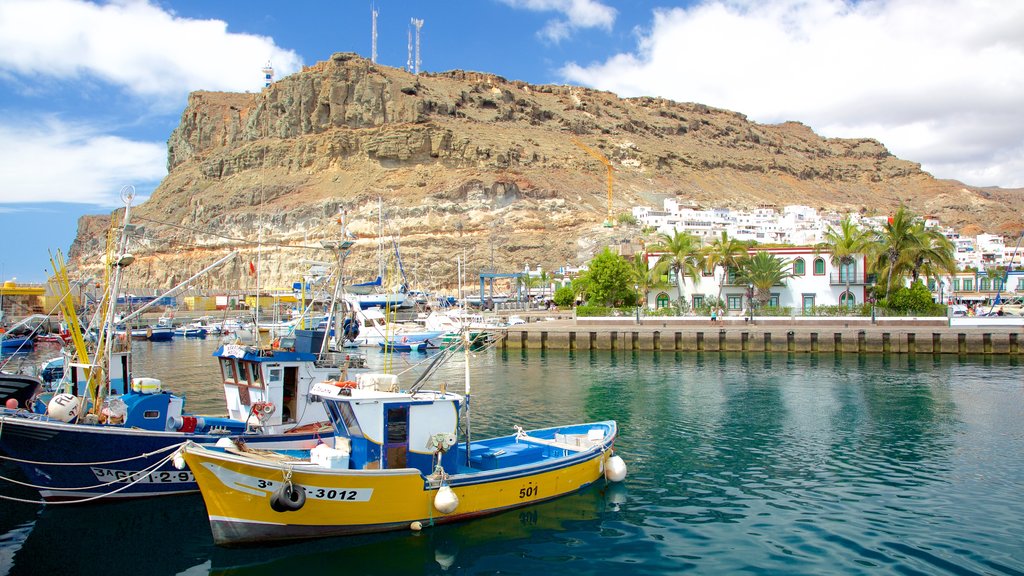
[[608, 279], [726, 253], [565, 296], [530, 282], [763, 270], [845, 244], [894, 244], [681, 257], [644, 277], [932, 254], [916, 299]]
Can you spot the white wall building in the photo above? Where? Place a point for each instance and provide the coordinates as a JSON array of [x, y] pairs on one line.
[[816, 282]]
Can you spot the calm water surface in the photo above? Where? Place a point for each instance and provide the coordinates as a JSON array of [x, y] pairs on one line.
[[753, 463]]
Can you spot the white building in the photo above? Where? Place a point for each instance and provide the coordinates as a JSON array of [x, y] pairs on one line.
[[815, 282]]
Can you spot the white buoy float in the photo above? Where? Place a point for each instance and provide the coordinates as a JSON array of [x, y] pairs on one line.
[[615, 469], [446, 501], [178, 460], [63, 407], [416, 526]]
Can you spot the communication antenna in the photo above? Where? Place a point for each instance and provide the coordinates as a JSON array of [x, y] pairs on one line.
[[373, 35], [268, 75], [408, 62], [418, 23]]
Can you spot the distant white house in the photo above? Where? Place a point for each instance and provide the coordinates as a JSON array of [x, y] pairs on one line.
[[815, 282]]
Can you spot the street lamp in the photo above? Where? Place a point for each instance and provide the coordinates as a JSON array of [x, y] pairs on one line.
[[750, 301], [636, 288]]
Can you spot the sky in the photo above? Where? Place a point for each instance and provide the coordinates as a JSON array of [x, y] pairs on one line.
[[90, 91]]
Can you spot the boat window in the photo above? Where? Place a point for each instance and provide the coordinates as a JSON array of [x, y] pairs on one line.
[[243, 373], [227, 366], [274, 375], [348, 416], [257, 377], [398, 425]]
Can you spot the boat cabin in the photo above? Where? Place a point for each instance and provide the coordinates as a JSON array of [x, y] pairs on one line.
[[388, 429], [273, 383]]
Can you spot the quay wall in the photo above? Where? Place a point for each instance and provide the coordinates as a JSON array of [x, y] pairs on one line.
[[885, 336]]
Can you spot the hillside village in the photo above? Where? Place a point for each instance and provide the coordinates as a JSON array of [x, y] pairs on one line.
[[796, 234]]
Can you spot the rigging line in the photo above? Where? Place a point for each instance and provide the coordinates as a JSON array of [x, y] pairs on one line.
[[143, 455], [98, 496], [232, 238]]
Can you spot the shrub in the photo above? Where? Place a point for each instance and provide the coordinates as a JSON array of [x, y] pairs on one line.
[[564, 297]]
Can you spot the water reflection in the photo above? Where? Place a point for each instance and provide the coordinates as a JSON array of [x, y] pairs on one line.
[[739, 462]]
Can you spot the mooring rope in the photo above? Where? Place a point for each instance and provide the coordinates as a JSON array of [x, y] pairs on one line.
[[144, 473]]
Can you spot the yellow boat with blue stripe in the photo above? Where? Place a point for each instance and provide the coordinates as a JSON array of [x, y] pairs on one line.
[[398, 463]]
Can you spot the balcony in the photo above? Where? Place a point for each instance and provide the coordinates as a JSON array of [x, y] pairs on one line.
[[843, 278]]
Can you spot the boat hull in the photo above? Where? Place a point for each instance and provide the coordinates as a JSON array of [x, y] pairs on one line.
[[69, 457], [238, 491]]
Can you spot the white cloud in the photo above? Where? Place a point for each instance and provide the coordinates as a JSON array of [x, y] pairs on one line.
[[578, 14], [939, 82], [58, 162], [135, 44]]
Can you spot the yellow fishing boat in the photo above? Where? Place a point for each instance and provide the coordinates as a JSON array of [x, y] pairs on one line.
[[398, 463]]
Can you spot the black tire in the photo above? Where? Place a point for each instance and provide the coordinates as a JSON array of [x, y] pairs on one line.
[[293, 497]]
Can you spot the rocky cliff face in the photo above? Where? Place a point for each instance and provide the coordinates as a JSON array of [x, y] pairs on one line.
[[473, 166]]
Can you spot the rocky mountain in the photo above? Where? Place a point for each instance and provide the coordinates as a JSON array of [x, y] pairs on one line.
[[471, 166]]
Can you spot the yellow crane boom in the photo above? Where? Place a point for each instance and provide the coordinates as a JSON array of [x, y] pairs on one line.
[[608, 165]]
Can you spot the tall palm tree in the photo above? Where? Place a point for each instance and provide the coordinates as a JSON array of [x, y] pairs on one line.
[[763, 270], [724, 252], [845, 244], [895, 243], [681, 256]]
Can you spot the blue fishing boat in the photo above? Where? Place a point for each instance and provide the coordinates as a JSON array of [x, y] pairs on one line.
[[11, 344], [106, 433]]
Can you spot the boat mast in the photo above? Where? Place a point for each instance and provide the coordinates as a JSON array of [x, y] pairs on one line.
[[469, 430], [105, 347]]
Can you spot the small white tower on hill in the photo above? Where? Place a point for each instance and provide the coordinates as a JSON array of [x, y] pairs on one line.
[[268, 75], [418, 23]]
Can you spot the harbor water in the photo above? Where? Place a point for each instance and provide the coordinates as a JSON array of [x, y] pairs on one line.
[[738, 463]]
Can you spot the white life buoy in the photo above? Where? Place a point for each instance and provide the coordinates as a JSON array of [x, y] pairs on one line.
[[445, 501], [63, 407], [615, 469]]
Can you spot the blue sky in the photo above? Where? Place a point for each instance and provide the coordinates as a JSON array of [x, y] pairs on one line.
[[90, 91]]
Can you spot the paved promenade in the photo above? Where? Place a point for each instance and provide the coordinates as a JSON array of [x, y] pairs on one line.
[[1001, 336]]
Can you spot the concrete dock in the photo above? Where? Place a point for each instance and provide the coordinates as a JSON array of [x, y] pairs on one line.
[[734, 334]]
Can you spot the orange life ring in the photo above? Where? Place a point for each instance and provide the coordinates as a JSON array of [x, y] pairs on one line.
[[346, 384]]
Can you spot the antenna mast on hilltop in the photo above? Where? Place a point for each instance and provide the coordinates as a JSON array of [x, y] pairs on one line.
[[418, 23], [373, 35], [408, 61]]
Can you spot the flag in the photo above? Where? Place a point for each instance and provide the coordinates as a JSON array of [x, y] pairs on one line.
[[252, 269]]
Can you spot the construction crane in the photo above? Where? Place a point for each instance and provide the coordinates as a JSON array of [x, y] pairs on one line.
[[610, 221]]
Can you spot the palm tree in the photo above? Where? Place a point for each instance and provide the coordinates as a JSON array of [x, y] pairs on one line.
[[763, 271], [894, 244], [644, 277], [725, 252], [681, 256], [932, 255], [845, 244]]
